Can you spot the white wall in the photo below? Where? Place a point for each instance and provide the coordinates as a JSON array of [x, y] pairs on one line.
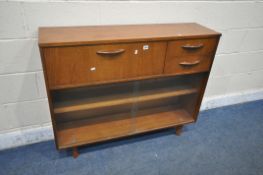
[[238, 65]]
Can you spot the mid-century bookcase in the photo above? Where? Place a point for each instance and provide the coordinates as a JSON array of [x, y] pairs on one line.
[[107, 82]]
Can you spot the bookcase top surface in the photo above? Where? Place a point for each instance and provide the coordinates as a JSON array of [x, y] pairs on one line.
[[85, 35]]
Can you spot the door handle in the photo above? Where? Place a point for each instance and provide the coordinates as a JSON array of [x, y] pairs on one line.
[[193, 47], [186, 63], [109, 53]]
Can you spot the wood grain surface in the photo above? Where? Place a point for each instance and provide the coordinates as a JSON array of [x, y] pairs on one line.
[[85, 35]]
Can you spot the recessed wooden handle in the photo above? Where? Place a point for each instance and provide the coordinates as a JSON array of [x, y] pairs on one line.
[[193, 47], [113, 52], [185, 63]]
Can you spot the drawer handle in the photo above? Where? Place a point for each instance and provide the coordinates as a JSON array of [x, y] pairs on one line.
[[192, 47], [114, 52], [185, 63]]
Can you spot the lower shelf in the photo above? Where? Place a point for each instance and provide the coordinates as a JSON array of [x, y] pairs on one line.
[[158, 118], [93, 130]]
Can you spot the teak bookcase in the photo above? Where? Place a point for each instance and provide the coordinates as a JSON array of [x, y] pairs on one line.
[[107, 82]]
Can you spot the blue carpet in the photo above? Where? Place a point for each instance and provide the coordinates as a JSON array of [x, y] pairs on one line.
[[224, 141]]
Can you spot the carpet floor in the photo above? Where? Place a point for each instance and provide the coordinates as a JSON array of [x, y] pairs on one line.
[[224, 141]]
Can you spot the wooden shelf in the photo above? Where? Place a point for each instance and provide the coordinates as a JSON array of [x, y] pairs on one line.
[[93, 130], [74, 133], [161, 117], [122, 99]]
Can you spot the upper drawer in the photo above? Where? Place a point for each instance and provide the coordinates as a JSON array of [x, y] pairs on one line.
[[83, 65], [191, 47]]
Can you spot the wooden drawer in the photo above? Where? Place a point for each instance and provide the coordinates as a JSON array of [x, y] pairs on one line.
[[191, 47], [181, 65], [83, 65], [189, 56]]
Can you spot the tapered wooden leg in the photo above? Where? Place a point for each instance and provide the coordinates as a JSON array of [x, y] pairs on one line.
[[75, 152], [178, 130]]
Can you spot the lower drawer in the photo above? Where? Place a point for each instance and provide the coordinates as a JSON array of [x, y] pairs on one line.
[[193, 64]]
